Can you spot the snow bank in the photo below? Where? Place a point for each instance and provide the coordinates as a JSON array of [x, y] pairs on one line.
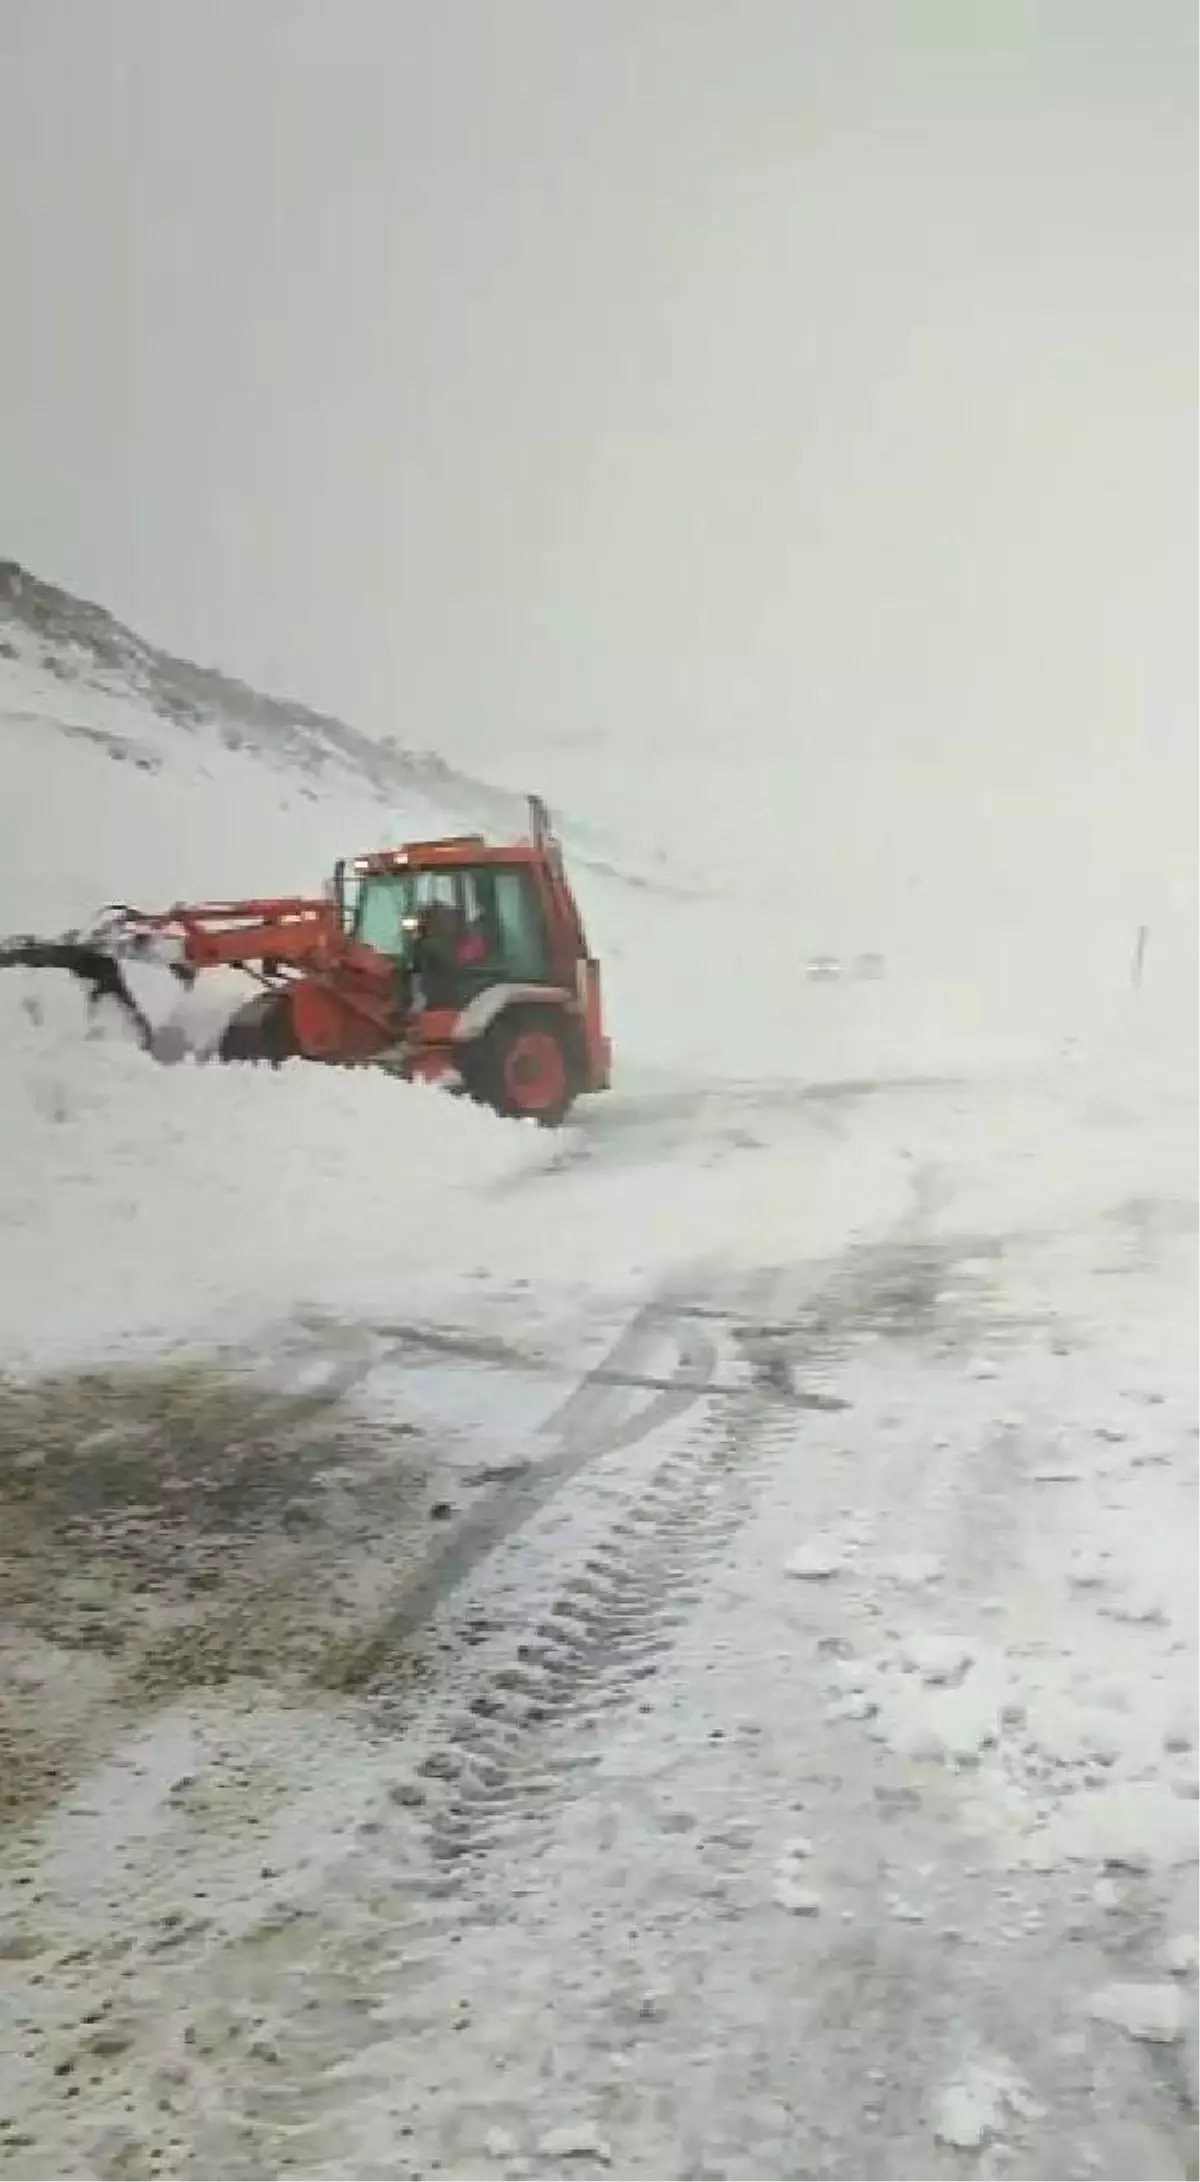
[[145, 1202], [198, 1201]]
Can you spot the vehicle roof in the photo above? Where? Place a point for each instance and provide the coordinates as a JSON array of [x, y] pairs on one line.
[[463, 849]]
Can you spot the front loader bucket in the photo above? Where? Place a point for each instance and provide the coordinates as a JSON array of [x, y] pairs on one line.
[[260, 1030], [90, 964]]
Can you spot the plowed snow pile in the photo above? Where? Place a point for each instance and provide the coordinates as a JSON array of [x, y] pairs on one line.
[[197, 1200]]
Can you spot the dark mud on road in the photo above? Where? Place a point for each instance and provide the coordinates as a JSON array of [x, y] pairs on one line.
[[168, 1527]]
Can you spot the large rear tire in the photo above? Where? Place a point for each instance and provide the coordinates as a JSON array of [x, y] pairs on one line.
[[524, 1067]]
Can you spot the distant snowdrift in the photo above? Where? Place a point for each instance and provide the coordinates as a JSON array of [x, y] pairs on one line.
[[710, 991]]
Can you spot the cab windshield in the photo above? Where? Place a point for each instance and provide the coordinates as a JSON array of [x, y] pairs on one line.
[[496, 904]]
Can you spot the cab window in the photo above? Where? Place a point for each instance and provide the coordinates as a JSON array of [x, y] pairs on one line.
[[498, 902], [519, 930]]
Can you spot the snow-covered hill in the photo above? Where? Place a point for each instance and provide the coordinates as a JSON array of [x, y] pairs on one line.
[[69, 669], [84, 653]]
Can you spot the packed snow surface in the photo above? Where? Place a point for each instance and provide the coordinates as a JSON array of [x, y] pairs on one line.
[[699, 1676]]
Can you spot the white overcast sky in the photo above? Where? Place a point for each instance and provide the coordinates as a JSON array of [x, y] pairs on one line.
[[812, 381]]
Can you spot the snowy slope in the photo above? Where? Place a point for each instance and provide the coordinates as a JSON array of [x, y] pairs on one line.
[[89, 678], [84, 653], [717, 1693]]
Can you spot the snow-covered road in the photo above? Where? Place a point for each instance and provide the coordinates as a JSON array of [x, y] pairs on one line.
[[718, 1700]]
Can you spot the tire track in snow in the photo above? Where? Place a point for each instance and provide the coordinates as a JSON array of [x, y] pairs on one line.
[[606, 1631], [585, 1432]]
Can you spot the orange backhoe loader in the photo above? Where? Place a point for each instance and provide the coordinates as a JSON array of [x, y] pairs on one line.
[[453, 960]]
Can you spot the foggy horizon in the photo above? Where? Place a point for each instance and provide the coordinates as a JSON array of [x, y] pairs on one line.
[[802, 385]]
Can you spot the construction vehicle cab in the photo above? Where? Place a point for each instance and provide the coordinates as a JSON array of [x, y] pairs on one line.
[[490, 949], [497, 909], [509, 908]]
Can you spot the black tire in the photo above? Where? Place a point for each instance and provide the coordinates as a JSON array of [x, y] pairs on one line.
[[261, 1031], [525, 1066]]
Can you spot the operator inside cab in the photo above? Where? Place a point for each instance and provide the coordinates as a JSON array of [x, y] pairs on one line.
[[445, 945]]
